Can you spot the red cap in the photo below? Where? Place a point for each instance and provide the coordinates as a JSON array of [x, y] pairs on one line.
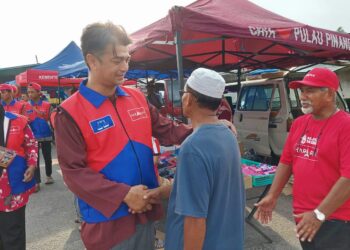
[[14, 88], [318, 77], [5, 86], [34, 85]]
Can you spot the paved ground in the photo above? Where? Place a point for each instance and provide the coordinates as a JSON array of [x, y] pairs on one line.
[[51, 215]]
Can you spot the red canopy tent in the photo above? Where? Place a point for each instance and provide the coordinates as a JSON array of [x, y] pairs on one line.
[[229, 34], [47, 78]]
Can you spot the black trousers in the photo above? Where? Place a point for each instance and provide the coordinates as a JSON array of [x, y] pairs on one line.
[[45, 147], [332, 235], [13, 230]]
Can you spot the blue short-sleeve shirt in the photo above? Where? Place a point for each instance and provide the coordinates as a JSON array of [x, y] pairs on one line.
[[208, 184]]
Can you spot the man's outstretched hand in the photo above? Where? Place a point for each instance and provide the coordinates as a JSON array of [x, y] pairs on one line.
[[265, 208]]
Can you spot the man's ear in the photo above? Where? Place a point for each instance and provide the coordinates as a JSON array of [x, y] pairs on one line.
[[191, 99], [91, 61], [331, 95]]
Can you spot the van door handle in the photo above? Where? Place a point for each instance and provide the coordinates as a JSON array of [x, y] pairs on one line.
[[240, 117], [277, 120]]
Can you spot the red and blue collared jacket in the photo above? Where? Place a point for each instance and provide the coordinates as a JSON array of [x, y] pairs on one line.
[[14, 106], [118, 140], [39, 116], [14, 141]]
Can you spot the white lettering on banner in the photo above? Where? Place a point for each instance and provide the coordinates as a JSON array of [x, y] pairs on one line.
[[262, 32], [304, 35], [336, 41], [321, 38], [45, 77]]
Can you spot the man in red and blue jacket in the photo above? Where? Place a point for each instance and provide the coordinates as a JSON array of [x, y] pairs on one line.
[[39, 123], [16, 180], [104, 146]]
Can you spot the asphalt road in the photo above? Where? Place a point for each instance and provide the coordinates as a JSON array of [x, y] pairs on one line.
[[50, 219]]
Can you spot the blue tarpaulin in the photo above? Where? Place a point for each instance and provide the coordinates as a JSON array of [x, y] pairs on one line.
[[262, 71], [69, 62]]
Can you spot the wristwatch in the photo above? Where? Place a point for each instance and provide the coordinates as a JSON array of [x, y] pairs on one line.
[[319, 215]]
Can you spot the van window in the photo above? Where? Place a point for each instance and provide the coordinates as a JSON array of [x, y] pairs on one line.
[[276, 100], [340, 103], [231, 97], [293, 98], [255, 98]]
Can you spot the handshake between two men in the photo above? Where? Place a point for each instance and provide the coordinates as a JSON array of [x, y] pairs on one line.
[[140, 199]]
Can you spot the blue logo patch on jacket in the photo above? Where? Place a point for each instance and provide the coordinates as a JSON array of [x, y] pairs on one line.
[[101, 124]]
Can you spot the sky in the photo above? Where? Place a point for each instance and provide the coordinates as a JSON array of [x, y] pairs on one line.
[[42, 28]]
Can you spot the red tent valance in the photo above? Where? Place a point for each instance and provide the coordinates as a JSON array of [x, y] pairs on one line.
[[47, 78]]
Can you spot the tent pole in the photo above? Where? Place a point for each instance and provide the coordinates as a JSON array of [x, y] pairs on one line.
[[172, 97], [239, 72], [180, 73], [223, 50], [59, 90]]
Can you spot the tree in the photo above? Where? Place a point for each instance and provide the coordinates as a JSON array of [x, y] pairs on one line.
[[341, 30]]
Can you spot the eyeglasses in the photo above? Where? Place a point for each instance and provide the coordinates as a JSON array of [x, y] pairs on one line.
[[182, 92]]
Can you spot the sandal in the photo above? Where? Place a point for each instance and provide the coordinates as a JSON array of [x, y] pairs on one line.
[[159, 244]]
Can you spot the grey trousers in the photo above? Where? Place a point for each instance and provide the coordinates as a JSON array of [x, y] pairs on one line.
[[143, 239]]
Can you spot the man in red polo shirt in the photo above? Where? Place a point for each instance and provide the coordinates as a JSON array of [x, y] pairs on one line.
[[317, 153]]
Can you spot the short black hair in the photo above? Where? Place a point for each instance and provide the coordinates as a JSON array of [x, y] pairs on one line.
[[204, 101], [97, 36]]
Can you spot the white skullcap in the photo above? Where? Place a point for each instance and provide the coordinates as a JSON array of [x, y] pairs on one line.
[[207, 82]]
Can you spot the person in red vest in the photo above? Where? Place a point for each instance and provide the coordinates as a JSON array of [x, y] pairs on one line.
[[16, 178], [24, 97], [103, 137], [10, 104], [39, 123]]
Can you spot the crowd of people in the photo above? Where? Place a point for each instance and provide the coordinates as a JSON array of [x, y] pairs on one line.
[[104, 134]]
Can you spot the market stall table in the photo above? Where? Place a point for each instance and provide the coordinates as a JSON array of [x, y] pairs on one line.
[[257, 175]]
